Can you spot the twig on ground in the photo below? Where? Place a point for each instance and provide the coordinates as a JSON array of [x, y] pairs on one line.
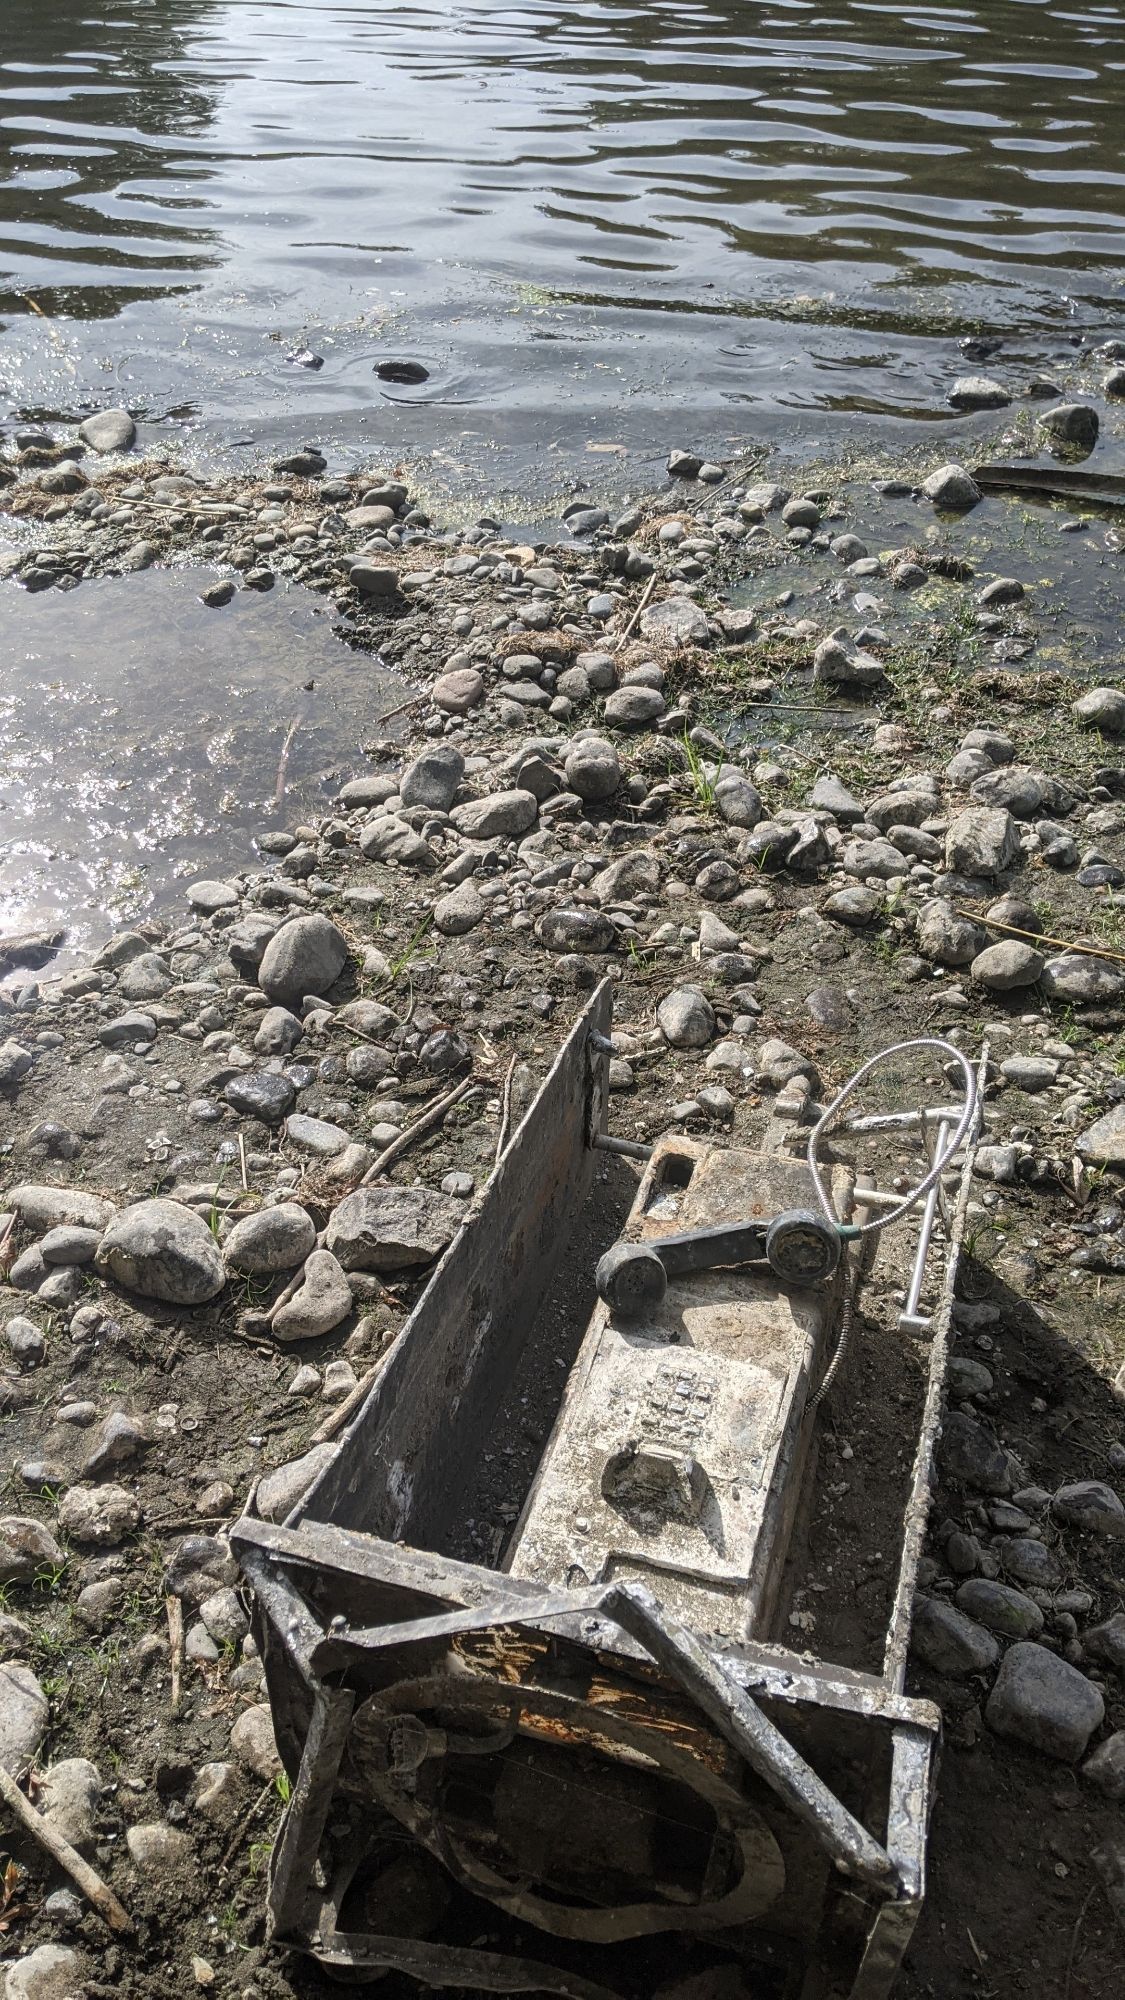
[[505, 1112], [344, 1411], [242, 1162], [93, 1888], [433, 1115], [175, 1614], [1073, 1952], [283, 761], [236, 1838], [1041, 937], [643, 600]]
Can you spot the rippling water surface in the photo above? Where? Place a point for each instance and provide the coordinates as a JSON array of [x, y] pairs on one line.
[[577, 212]]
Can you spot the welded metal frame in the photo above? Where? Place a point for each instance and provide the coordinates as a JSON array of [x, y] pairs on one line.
[[318, 1667]]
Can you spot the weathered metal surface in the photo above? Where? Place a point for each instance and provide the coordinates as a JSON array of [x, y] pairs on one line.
[[673, 1453], [399, 1469], [908, 1819]]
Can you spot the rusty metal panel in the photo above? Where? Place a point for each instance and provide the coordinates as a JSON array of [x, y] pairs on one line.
[[675, 1456], [399, 1469]]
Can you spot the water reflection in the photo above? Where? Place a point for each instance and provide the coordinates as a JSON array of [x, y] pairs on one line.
[[220, 171]]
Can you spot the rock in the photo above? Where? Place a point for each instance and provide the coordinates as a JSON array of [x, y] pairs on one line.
[[15, 1062], [41, 1208], [978, 392], [99, 1516], [50, 1972], [224, 1617], [1105, 1766], [26, 1548], [686, 1018], [159, 1850], [322, 1300], [24, 1715], [636, 874], [1030, 1562], [592, 768], [496, 815], [119, 1440], [634, 707], [367, 791], [949, 1642], [945, 938], [778, 1063], [684, 465], [280, 1491], [970, 1456], [1104, 1143], [254, 1744], [200, 1565], [1091, 1505], [458, 692], [433, 778], [207, 897], [275, 1239], [675, 622], [576, 930], [1073, 424], [127, 1030], [853, 906], [1107, 1641], [881, 858], [23, 1336], [163, 1250], [278, 1034], [1102, 708], [316, 1136], [70, 1246], [68, 1800], [373, 579], [951, 488], [307, 955], [1006, 966], [1044, 1702], [389, 838], [739, 801], [392, 1228], [217, 1792], [982, 840], [829, 795], [1088, 981], [1002, 1609], [266, 1095], [145, 977]]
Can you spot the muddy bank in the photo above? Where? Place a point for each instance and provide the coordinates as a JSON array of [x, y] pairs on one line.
[[806, 768]]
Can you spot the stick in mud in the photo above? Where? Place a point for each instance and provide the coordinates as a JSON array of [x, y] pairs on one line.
[[96, 1892]]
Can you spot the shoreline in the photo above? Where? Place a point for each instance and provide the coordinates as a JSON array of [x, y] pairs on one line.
[[562, 801]]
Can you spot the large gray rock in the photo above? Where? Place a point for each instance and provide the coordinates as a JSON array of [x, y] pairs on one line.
[[266, 1095], [1092, 1505], [949, 1642], [458, 691], [69, 1800], [593, 768], [1102, 708], [498, 814], [275, 1239], [110, 430], [678, 621], [163, 1250], [41, 1207], [307, 955], [1044, 1702], [50, 1972], [1107, 1641], [26, 1548], [580, 929], [970, 1456], [459, 912], [951, 488], [1006, 966], [280, 1490], [99, 1516], [24, 1715], [389, 838], [1105, 1767], [634, 707], [254, 1744], [978, 392], [391, 1228], [433, 778], [1010, 1612], [686, 1018], [1095, 982], [634, 874], [1074, 424], [982, 840], [739, 802], [322, 1300], [945, 938], [1030, 1563]]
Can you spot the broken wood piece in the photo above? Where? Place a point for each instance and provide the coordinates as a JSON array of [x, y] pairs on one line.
[[1041, 937], [93, 1888], [431, 1117], [342, 1414], [174, 1611]]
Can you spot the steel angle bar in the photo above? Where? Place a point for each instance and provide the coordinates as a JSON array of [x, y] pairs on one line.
[[452, 1966], [921, 1485], [306, 1816], [908, 1818]]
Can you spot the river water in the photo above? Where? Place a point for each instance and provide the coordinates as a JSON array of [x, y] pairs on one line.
[[591, 222]]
